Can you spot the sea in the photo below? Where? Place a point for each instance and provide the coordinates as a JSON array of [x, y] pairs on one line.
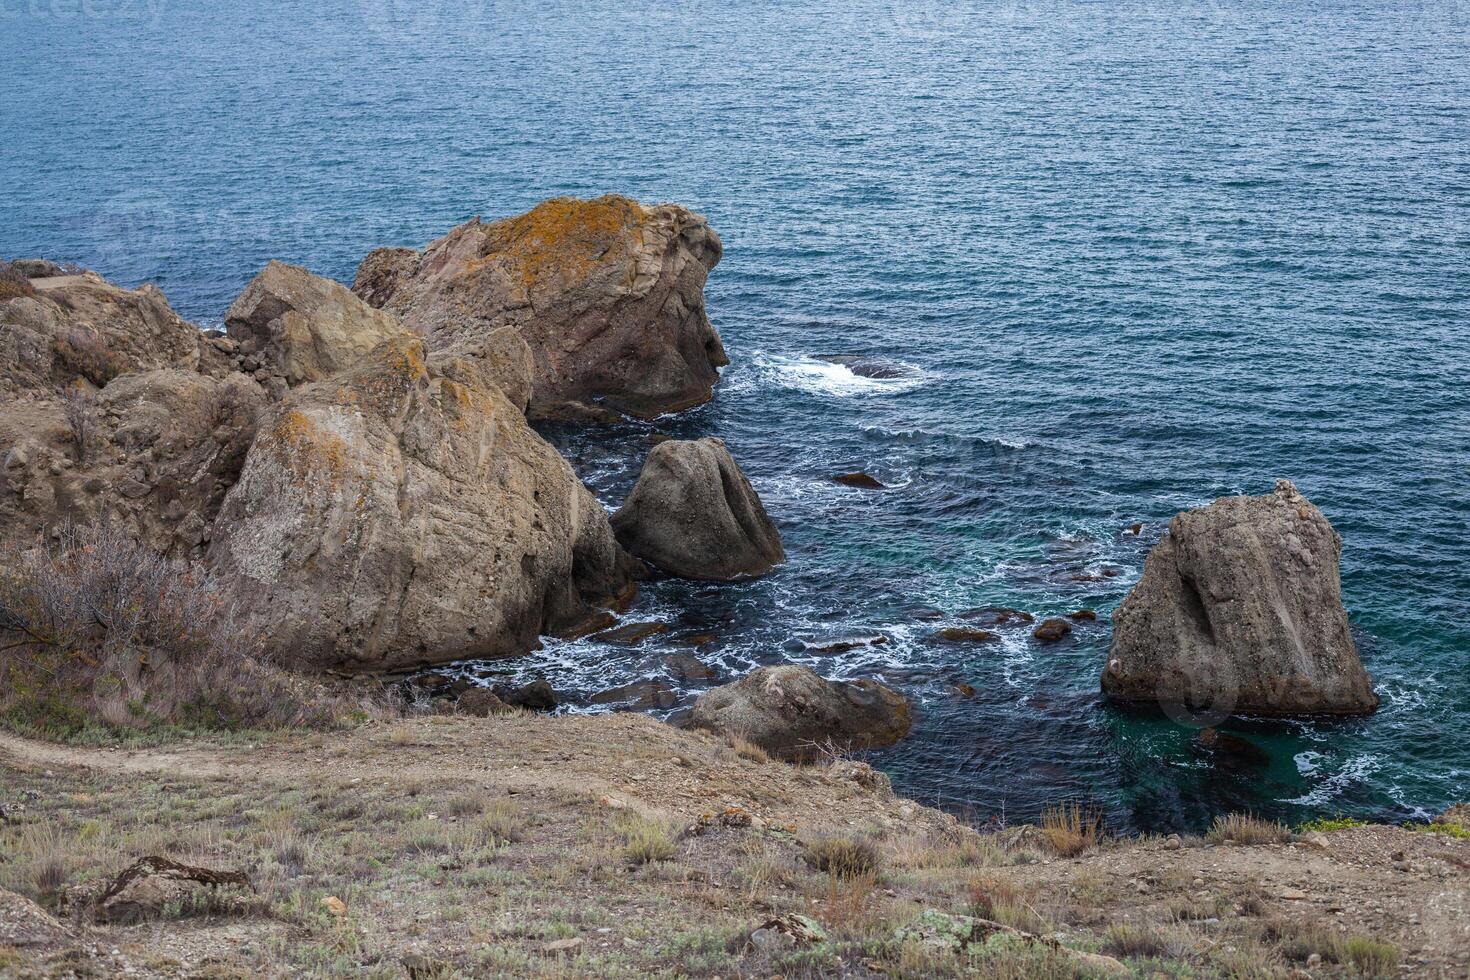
[[1122, 258]]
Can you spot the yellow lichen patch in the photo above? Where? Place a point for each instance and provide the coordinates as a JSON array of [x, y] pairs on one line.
[[563, 239], [310, 453]]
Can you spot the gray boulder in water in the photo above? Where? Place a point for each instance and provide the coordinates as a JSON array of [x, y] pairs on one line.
[[792, 712], [693, 514], [1239, 610]]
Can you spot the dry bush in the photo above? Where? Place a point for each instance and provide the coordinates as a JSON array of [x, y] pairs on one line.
[[1069, 829], [79, 407], [1242, 828], [13, 284], [96, 628], [845, 857], [82, 353]]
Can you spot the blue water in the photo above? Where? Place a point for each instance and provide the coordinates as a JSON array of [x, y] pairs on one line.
[[1138, 256]]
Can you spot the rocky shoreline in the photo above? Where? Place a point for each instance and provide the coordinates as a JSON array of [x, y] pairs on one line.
[[356, 470]]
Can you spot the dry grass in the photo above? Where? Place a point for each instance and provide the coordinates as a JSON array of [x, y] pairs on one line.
[[1069, 829], [748, 750], [843, 857], [646, 840], [98, 632], [1242, 828], [1129, 940]]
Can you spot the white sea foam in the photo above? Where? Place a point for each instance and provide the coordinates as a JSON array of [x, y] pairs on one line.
[[833, 380], [1356, 770]]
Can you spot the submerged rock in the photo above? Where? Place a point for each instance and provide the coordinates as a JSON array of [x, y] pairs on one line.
[[631, 633], [997, 616], [790, 711], [609, 294], [965, 634], [1239, 609], [860, 480], [693, 514], [1230, 751], [828, 646], [388, 517], [1052, 630], [871, 367], [686, 668]]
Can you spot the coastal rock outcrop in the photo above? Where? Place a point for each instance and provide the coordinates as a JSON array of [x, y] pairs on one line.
[[608, 293], [693, 514], [1240, 610], [69, 328], [115, 408], [302, 327], [790, 711], [390, 516]]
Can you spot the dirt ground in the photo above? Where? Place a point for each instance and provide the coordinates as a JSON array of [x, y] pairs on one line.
[[614, 845]]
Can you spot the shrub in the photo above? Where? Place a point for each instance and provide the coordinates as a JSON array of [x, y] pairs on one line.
[[82, 353], [80, 410], [1370, 957], [1123, 939], [96, 628], [13, 284], [1242, 828], [646, 841], [844, 857], [1326, 825], [1068, 829]]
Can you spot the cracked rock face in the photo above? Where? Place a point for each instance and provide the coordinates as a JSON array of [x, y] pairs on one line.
[[609, 294], [401, 513], [1239, 611]]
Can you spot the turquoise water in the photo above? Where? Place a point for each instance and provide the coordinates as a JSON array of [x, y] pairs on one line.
[[1137, 256]]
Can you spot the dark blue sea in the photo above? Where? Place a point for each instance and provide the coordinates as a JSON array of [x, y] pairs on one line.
[[1132, 256]]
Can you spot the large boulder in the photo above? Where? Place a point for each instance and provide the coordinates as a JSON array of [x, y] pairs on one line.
[[693, 514], [302, 327], [609, 294], [1240, 610], [791, 712], [392, 516]]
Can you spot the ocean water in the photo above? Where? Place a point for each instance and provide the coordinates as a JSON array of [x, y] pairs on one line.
[[1135, 256]]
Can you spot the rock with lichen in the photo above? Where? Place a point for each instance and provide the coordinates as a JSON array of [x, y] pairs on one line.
[[392, 516], [1239, 610], [304, 327], [608, 293]]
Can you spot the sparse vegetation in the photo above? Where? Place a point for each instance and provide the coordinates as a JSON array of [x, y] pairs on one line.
[[1371, 957], [1128, 940], [98, 632], [81, 353], [1242, 828], [1447, 829], [844, 857], [13, 284], [1326, 825], [646, 840], [1069, 829]]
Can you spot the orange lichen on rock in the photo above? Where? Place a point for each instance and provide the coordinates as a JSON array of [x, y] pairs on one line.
[[565, 238], [308, 451]]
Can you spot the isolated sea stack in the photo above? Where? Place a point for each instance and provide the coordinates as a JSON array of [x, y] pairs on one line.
[[1240, 610], [693, 514], [792, 712], [609, 294]]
